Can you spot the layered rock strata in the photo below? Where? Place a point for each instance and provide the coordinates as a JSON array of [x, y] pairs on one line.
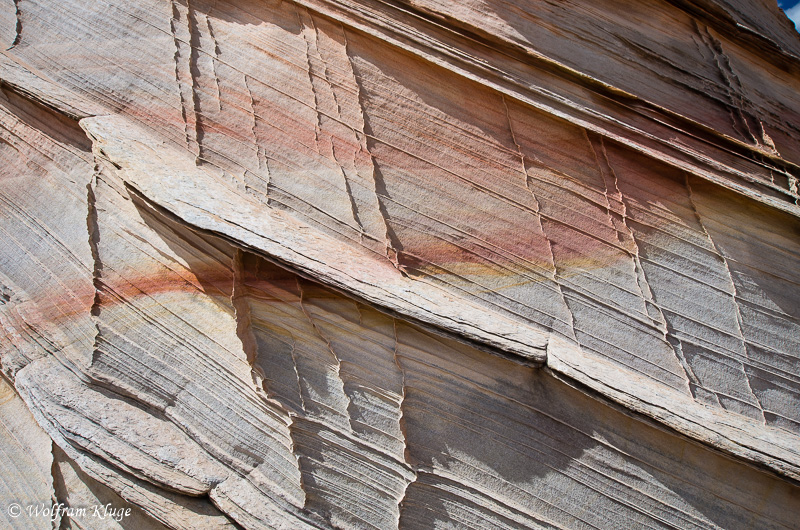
[[371, 264]]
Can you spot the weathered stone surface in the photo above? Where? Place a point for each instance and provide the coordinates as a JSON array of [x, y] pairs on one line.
[[367, 264], [25, 477]]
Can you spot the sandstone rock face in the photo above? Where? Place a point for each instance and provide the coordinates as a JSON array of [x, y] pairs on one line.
[[412, 263]]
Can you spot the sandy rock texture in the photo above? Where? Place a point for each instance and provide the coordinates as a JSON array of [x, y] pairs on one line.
[[399, 264]]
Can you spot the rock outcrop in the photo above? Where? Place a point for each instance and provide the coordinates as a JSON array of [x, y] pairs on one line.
[[380, 264]]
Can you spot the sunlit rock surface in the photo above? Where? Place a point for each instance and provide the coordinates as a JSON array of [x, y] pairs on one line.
[[371, 264]]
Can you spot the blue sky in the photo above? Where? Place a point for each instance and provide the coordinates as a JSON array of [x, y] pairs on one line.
[[792, 10]]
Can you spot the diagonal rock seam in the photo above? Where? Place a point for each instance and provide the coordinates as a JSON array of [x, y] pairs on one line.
[[774, 452]]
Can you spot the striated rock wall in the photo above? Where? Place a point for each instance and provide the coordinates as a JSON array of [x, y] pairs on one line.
[[380, 264]]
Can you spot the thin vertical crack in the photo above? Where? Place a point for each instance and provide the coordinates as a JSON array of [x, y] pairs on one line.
[[94, 240], [253, 113], [194, 71], [677, 347], [262, 161], [297, 375], [93, 230], [214, 59], [244, 330], [326, 73], [647, 294], [402, 423], [734, 294], [401, 420], [241, 309], [348, 190], [176, 57], [733, 85], [537, 211], [60, 491], [18, 29], [318, 125], [353, 205], [318, 128], [393, 246], [330, 349]]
